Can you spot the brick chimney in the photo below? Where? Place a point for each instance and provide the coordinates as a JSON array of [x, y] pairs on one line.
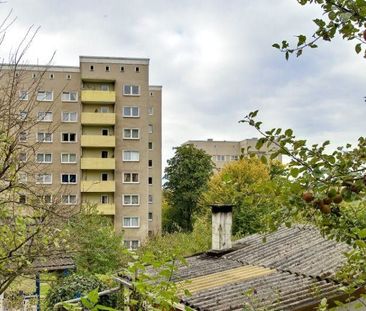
[[221, 227]]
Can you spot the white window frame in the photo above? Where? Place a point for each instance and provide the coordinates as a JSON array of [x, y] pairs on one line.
[[44, 134], [130, 217], [130, 196], [23, 115], [130, 174], [69, 202], [101, 198], [150, 143], [68, 158], [128, 90], [23, 95], [45, 116], [23, 137], [130, 114], [43, 161], [45, 95], [150, 111], [47, 195], [68, 115], [66, 96], [150, 128], [148, 216], [131, 131], [124, 156], [43, 175], [150, 199], [104, 109], [68, 182], [129, 243], [23, 157], [22, 177], [68, 141], [101, 176]]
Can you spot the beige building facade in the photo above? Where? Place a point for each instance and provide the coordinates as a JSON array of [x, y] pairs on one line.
[[99, 139], [223, 151]]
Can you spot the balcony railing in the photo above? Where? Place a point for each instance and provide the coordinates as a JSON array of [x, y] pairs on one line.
[[92, 96], [98, 186], [98, 163], [98, 141], [94, 118]]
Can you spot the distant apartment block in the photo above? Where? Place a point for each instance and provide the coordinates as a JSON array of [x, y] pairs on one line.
[[223, 151], [105, 144]]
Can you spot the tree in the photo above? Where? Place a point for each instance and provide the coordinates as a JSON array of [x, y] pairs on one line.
[[255, 191], [187, 174], [98, 248], [332, 190], [345, 17]]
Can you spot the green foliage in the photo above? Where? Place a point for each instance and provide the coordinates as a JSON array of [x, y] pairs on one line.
[[90, 302], [181, 243], [98, 248], [345, 17], [187, 175], [74, 286], [256, 191]]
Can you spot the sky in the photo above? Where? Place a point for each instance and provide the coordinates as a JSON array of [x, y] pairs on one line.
[[214, 60]]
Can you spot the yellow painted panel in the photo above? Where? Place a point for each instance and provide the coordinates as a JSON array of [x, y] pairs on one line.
[[225, 277], [106, 209], [98, 164], [98, 186], [98, 141], [91, 96], [93, 118]]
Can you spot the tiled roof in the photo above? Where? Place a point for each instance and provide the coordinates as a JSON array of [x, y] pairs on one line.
[[53, 263], [293, 270]]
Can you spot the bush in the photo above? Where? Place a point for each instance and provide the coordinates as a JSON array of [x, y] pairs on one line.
[[74, 286]]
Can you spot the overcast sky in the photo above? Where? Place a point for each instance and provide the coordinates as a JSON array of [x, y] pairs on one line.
[[214, 60]]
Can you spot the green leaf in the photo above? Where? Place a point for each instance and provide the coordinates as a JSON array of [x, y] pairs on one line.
[[93, 296], [301, 40], [358, 48], [288, 132], [276, 45]]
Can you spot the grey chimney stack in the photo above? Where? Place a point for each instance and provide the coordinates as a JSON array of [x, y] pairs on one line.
[[221, 226]]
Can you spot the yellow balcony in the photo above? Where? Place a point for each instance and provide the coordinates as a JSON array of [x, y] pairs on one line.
[[98, 186], [91, 96], [92, 118], [98, 164], [97, 141], [106, 209]]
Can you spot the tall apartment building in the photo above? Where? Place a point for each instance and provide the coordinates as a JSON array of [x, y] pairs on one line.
[[99, 139], [223, 151]]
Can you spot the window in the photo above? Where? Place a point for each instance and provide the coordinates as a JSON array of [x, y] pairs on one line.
[[22, 177], [150, 216], [47, 199], [45, 96], [104, 154], [104, 199], [130, 199], [131, 112], [23, 115], [150, 180], [104, 87], [150, 128], [69, 116], [104, 176], [131, 244], [44, 178], [150, 163], [52, 76], [68, 178], [104, 109], [150, 199], [45, 116], [68, 158], [131, 133], [122, 68], [23, 136], [220, 158], [150, 145], [22, 199], [23, 95], [150, 111], [69, 199], [71, 96], [105, 132], [131, 156], [137, 69], [131, 222], [43, 137], [131, 90], [107, 68], [91, 67], [44, 158], [22, 157], [68, 77], [130, 178], [34, 76], [68, 137], [234, 157]]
